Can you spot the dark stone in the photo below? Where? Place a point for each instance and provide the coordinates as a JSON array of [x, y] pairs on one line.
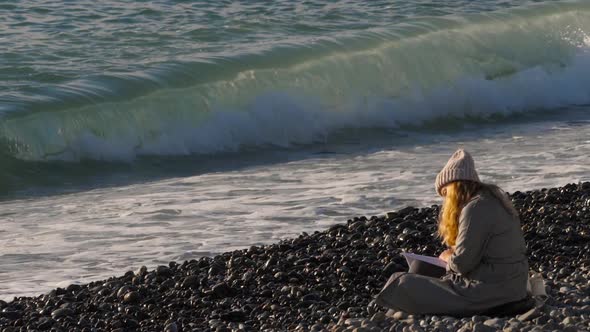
[[130, 323], [167, 284], [216, 268], [311, 297], [45, 323], [83, 322], [270, 262], [222, 290], [62, 312], [191, 282], [123, 290], [280, 276], [131, 297], [234, 316], [248, 276], [163, 271], [73, 288], [11, 314], [141, 272], [172, 327]]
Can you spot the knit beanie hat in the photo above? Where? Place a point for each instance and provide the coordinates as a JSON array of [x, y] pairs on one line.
[[459, 167]]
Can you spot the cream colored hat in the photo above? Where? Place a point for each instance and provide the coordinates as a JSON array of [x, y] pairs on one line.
[[459, 167]]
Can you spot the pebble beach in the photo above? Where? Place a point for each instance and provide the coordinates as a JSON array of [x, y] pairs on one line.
[[139, 133], [324, 281], [262, 165]]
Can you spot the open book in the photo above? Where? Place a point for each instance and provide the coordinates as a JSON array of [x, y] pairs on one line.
[[428, 259]]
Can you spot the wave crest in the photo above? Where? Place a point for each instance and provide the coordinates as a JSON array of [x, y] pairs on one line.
[[526, 59]]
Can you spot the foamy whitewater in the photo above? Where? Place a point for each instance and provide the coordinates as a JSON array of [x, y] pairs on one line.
[[135, 134]]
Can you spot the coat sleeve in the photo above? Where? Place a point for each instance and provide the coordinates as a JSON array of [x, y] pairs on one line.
[[474, 233]]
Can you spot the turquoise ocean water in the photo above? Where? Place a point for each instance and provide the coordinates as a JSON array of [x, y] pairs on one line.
[[86, 82], [134, 132]]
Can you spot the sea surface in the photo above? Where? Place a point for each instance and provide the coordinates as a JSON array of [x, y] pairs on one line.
[[138, 132]]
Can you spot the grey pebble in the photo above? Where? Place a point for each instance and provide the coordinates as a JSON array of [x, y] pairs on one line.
[[495, 322], [353, 321], [378, 316], [131, 297], [568, 321], [415, 328], [62, 312], [361, 329], [172, 327], [480, 327], [529, 315], [400, 315]]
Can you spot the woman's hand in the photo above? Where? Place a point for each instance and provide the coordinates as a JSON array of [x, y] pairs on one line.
[[446, 255]]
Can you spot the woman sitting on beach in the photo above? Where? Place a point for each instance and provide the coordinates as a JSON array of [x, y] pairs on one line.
[[486, 262]]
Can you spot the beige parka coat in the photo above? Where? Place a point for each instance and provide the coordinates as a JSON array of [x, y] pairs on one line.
[[488, 267]]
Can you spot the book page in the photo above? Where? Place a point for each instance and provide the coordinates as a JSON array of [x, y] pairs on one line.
[[428, 259]]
